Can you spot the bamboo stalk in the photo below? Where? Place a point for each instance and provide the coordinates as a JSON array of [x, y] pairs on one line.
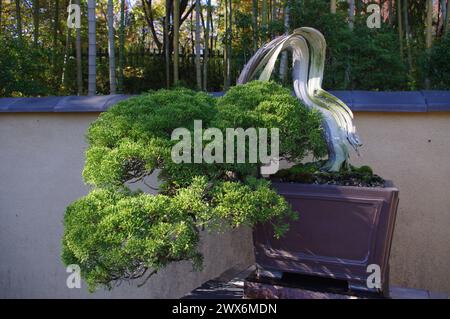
[[176, 40]]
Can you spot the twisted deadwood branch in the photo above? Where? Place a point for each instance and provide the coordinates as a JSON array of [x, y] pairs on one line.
[[308, 47]]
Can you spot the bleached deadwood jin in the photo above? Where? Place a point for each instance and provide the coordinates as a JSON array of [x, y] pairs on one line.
[[308, 46]]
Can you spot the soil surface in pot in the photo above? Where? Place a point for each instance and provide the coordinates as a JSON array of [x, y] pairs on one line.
[[310, 173]]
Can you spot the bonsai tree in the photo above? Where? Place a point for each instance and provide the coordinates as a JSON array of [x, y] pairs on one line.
[[340, 226], [115, 233]]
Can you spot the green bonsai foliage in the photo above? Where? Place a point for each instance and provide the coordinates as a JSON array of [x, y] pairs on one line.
[[115, 234], [269, 105], [132, 139]]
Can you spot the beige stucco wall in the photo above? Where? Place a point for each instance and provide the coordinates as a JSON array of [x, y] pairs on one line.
[[413, 150], [41, 159]]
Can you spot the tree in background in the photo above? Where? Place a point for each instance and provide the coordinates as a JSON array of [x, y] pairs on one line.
[[18, 19], [284, 56], [121, 44], [176, 40], [264, 21], [92, 73], [228, 42], [1, 9], [55, 29], [229, 33], [167, 42], [447, 20], [351, 13], [255, 24], [198, 66], [36, 21], [435, 64], [78, 58], [111, 48], [429, 33], [207, 45], [400, 27]]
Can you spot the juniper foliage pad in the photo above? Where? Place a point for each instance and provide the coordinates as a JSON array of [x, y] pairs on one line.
[[116, 234]]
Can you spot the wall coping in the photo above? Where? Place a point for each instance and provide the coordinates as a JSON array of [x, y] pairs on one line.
[[359, 101]]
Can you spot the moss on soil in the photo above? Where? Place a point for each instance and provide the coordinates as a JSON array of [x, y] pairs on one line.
[[310, 173]]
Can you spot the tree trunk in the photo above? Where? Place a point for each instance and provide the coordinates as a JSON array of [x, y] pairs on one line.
[[228, 44], [351, 13], [176, 40], [359, 7], [339, 130], [333, 6], [192, 35], [121, 45], [351, 19], [429, 24], [206, 53], [18, 20], [429, 33], [447, 20], [55, 48], [441, 25], [408, 46], [66, 56], [1, 10], [148, 14], [212, 29], [167, 42], [284, 54], [78, 57], [225, 51], [36, 21], [111, 49], [400, 27], [255, 25], [198, 66], [273, 10], [390, 12], [56, 25], [263, 21], [92, 49]]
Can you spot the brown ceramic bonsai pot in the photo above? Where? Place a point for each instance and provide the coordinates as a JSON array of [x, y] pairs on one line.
[[340, 231]]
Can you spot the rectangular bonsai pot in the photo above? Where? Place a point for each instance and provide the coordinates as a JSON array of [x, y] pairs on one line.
[[341, 230]]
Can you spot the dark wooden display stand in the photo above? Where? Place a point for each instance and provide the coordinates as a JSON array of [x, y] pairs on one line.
[[293, 286]]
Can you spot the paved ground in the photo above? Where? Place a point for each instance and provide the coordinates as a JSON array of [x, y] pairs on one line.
[[230, 285]]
